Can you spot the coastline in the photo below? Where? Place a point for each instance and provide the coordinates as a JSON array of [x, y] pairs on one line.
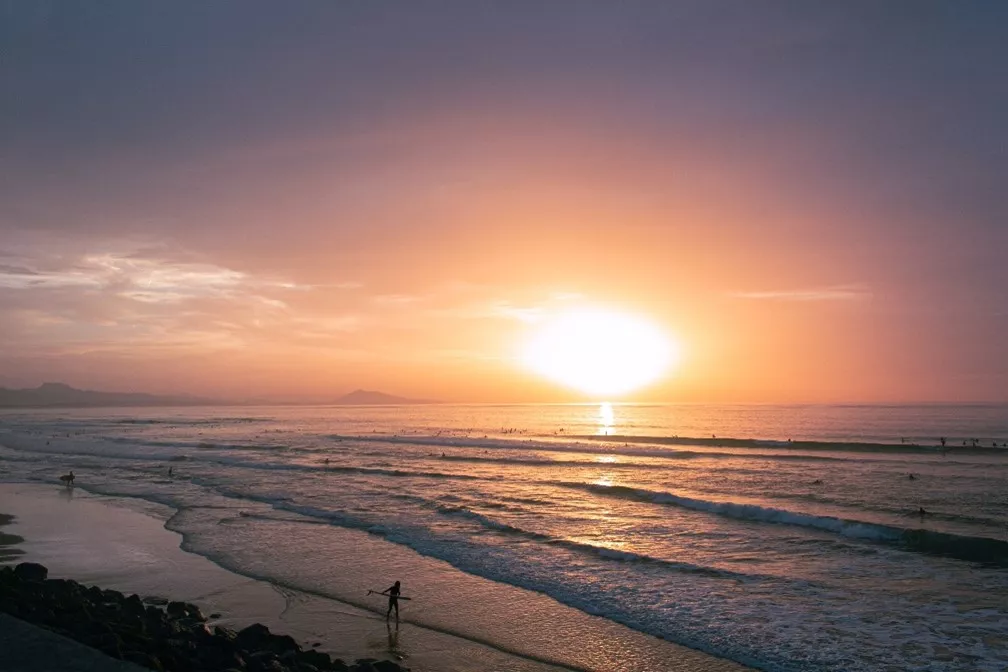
[[121, 543]]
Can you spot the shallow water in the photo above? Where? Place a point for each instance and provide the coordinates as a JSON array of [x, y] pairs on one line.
[[699, 525]]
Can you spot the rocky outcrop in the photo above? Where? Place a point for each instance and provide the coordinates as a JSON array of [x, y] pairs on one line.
[[169, 637]]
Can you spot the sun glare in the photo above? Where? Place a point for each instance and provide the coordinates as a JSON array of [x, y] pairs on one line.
[[599, 352]]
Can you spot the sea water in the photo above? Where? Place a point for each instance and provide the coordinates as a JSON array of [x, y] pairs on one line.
[[781, 537]]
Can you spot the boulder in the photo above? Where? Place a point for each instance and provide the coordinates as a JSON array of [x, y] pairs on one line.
[[143, 660], [257, 637], [31, 571], [254, 637], [225, 633], [315, 658], [386, 666]]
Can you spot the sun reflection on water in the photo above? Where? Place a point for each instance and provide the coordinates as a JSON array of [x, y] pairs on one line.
[[607, 420]]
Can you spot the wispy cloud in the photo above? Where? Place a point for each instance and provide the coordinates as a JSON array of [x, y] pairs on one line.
[[148, 280], [853, 292]]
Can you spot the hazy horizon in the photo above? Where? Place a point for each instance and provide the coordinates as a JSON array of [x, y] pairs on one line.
[[255, 200]]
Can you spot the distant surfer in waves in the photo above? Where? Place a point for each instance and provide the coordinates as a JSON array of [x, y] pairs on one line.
[[921, 512], [393, 600]]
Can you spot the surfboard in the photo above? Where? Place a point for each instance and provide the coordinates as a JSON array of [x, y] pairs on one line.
[[378, 592]]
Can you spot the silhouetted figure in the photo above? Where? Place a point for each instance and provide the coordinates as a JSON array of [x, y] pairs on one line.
[[68, 479], [911, 477], [817, 481], [393, 600], [170, 471], [942, 439], [921, 512]]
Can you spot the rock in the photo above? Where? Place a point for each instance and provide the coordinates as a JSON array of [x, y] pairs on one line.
[[257, 637], [316, 658], [386, 666], [133, 613], [253, 635], [176, 609], [113, 596], [263, 661], [363, 667], [339, 666], [143, 660], [214, 615], [225, 633], [31, 571]]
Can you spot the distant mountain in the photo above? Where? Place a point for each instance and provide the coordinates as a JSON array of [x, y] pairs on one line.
[[60, 395], [372, 398]]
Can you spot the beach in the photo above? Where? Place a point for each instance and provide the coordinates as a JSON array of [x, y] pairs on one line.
[[121, 544]]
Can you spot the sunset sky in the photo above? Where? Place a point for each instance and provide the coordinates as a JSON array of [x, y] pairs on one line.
[[810, 199]]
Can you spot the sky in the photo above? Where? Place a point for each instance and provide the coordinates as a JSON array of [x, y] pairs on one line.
[[293, 200]]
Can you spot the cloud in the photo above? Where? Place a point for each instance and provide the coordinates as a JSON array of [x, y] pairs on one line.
[[143, 279], [854, 292]]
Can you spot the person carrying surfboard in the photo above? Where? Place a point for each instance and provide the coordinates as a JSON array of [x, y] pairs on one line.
[[393, 600]]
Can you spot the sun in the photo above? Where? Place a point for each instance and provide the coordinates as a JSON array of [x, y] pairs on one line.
[[599, 352]]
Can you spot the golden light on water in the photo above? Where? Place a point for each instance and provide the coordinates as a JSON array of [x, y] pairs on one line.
[[607, 419], [600, 352]]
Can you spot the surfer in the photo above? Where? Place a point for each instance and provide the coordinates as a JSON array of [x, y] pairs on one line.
[[393, 600], [921, 512]]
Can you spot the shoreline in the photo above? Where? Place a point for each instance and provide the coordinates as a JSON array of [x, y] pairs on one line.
[[133, 551]]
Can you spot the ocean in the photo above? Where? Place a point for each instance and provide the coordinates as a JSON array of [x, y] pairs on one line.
[[780, 537]]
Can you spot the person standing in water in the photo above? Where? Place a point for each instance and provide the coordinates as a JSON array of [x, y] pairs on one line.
[[393, 600]]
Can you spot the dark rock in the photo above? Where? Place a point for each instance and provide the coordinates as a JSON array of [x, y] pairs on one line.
[[133, 605], [176, 609], [215, 616], [218, 655], [31, 571], [363, 667], [257, 637], [316, 658], [252, 636], [108, 643], [263, 661], [143, 660], [155, 600], [339, 666], [386, 666], [113, 596], [225, 633]]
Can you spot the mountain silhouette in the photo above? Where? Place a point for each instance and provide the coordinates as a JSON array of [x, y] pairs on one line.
[[372, 398], [62, 395]]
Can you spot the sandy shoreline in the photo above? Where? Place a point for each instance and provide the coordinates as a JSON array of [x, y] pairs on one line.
[[122, 544]]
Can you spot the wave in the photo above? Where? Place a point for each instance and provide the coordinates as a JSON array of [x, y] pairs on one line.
[[604, 552], [846, 446], [180, 422], [655, 447], [984, 550]]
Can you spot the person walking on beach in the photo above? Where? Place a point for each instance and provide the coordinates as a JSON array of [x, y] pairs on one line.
[[393, 600]]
